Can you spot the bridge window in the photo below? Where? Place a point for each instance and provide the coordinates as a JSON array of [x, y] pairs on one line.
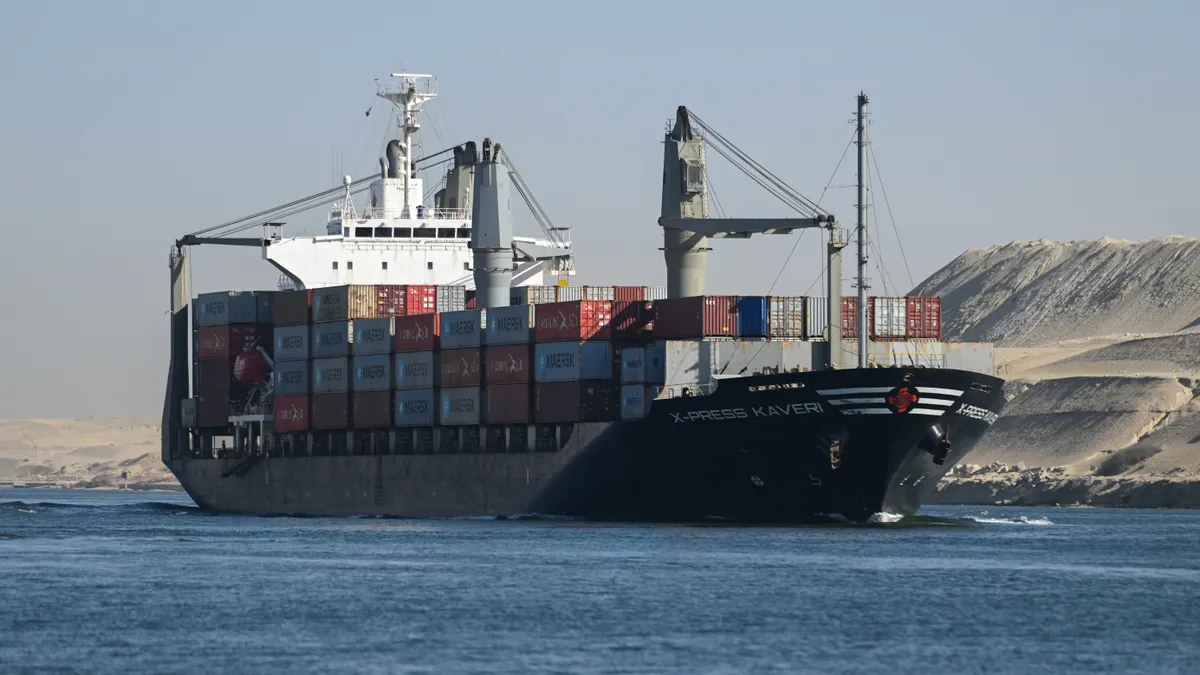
[[464, 233], [445, 233], [345, 232], [425, 232], [362, 231], [383, 232], [385, 265], [335, 264], [429, 266], [402, 232], [467, 266]]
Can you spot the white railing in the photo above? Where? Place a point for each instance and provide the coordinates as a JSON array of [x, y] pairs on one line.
[[390, 213]]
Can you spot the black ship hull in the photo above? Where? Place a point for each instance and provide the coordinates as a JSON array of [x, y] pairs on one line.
[[794, 447]]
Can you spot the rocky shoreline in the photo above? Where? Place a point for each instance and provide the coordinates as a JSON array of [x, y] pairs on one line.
[[1002, 485]]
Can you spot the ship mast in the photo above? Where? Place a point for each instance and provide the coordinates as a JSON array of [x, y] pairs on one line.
[[409, 100], [860, 139]]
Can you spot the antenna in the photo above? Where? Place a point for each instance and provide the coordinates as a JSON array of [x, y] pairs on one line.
[[403, 91], [860, 118]]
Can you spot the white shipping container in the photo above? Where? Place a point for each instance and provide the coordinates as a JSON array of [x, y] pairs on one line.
[[656, 292], [415, 370], [785, 316], [586, 293], [891, 317], [569, 361], [509, 325], [187, 413], [462, 329], [635, 401], [656, 363], [414, 408], [460, 405], [331, 339], [570, 293], [373, 336], [533, 295], [816, 318], [633, 366]]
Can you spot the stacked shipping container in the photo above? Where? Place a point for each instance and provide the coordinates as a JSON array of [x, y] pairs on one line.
[[230, 373]]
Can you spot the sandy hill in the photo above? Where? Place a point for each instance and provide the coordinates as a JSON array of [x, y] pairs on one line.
[[1043, 292], [88, 451]]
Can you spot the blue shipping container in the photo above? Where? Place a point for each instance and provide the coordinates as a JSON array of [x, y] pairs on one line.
[[226, 307], [373, 336], [373, 373], [266, 306], [752, 316], [330, 339], [291, 378], [291, 343]]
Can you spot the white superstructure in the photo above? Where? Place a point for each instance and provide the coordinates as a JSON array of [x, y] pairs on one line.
[[398, 238]]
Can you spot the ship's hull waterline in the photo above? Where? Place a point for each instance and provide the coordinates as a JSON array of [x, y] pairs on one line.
[[780, 448]]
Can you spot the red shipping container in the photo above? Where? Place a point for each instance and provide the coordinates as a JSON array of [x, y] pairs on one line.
[[212, 410], [633, 321], [850, 318], [629, 293], [503, 364], [420, 299], [417, 333], [291, 413], [470, 296], [391, 300], [330, 411], [216, 342], [574, 320], [924, 316], [292, 308], [506, 404], [372, 409], [695, 317], [576, 401], [460, 367]]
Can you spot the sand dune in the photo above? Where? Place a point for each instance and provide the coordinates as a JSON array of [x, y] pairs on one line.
[[87, 451]]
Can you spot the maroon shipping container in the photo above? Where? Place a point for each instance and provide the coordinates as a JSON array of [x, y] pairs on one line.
[[216, 342], [573, 320], [420, 299], [505, 364], [470, 297], [391, 300], [633, 321], [696, 317], [417, 333], [506, 403], [212, 410], [372, 409], [291, 413], [330, 411], [629, 293], [292, 308], [924, 316], [850, 318], [577, 401], [460, 367]]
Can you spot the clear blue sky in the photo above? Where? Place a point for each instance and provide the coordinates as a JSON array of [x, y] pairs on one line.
[[126, 124]]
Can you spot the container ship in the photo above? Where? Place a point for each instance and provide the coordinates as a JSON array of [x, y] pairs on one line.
[[419, 360]]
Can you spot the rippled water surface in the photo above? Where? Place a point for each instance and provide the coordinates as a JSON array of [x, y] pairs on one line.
[[127, 582]]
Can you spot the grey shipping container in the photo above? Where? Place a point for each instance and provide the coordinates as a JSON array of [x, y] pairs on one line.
[[533, 295], [700, 362], [291, 343], [656, 363], [816, 318], [291, 378], [567, 361], [459, 405], [373, 372], [331, 375], [225, 307], [976, 357], [461, 329], [635, 401], [187, 413], [509, 325], [785, 317], [451, 298], [416, 370], [373, 336], [414, 408], [330, 339], [633, 365]]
